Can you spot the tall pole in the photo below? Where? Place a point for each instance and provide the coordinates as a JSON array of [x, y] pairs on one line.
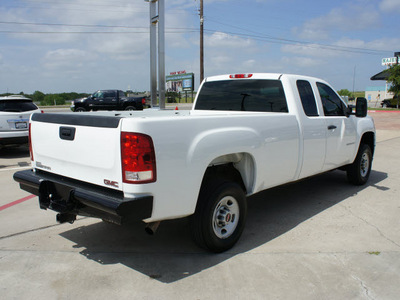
[[154, 20], [161, 53], [354, 78], [153, 53], [201, 43]]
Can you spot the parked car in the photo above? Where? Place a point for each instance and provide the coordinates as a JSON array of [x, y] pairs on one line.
[[15, 112], [390, 102], [108, 100]]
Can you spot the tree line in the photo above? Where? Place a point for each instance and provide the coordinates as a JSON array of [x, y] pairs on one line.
[[51, 99]]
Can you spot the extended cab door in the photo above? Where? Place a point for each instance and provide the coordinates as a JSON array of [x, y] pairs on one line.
[[313, 131], [341, 131]]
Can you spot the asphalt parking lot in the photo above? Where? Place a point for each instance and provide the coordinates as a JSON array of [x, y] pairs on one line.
[[320, 238]]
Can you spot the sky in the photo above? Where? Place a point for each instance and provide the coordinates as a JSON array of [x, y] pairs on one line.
[[56, 46]]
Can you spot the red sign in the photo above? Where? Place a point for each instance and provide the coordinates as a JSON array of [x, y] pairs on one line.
[[179, 72]]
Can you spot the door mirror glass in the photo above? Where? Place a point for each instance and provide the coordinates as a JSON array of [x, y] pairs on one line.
[[361, 107]]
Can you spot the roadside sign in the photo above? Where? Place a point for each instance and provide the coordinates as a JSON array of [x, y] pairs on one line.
[[389, 61]]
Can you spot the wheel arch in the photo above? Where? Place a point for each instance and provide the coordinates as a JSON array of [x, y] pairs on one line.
[[237, 167], [368, 138]]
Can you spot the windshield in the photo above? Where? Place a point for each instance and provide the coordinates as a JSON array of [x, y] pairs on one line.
[[243, 95], [17, 105]]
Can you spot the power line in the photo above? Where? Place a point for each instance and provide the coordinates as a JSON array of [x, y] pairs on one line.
[[144, 29]]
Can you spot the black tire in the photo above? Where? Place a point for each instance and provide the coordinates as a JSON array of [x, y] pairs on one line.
[[80, 109], [220, 215], [130, 108], [358, 172], [384, 105]]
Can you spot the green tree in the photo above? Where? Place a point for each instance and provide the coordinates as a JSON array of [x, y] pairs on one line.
[[394, 80], [345, 92], [38, 96], [52, 99]]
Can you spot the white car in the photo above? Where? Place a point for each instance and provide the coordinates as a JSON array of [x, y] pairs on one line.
[[15, 111]]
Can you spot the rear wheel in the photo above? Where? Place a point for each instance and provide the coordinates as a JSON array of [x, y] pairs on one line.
[[358, 172], [130, 108], [80, 109], [220, 215]]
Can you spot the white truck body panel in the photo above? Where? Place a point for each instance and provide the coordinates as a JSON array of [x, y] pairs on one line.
[[268, 148], [93, 156]]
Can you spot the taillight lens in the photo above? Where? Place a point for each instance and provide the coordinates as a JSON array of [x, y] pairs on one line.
[[30, 142], [143, 101], [138, 158]]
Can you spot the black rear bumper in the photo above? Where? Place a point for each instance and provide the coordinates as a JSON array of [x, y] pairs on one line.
[[69, 197]]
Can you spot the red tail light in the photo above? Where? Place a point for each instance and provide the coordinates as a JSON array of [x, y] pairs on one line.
[[138, 158], [241, 76], [30, 142], [143, 101]]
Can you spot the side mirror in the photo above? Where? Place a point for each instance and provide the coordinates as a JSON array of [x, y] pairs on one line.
[[361, 107]]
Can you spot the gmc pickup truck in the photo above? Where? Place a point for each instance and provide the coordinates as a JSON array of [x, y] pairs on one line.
[[108, 100], [246, 133]]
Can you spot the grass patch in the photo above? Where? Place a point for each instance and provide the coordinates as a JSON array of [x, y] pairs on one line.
[[374, 252]]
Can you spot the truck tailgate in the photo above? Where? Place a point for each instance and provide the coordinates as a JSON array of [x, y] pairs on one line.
[[80, 146]]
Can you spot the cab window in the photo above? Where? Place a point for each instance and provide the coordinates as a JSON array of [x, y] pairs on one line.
[[333, 105]]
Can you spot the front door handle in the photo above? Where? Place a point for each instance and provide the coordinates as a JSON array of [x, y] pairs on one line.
[[331, 127]]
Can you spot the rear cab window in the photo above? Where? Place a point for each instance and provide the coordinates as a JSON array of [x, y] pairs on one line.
[[257, 95], [17, 105], [307, 98]]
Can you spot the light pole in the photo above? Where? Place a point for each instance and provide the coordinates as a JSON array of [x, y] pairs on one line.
[[201, 42], [154, 20]]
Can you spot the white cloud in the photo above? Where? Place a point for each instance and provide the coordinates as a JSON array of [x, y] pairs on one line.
[[302, 62], [313, 50], [390, 6], [344, 19], [226, 42], [120, 46], [63, 60]]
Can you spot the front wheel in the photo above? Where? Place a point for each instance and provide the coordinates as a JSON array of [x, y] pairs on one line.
[[220, 215], [80, 109], [358, 172], [130, 108]]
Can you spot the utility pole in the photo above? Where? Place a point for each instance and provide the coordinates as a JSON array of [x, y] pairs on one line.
[[201, 42]]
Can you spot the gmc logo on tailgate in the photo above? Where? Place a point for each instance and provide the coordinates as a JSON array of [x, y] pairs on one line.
[[111, 183]]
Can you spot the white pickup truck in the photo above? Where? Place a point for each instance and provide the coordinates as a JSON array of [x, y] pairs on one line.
[[246, 133]]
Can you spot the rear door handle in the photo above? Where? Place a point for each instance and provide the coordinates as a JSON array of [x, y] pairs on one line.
[[331, 127]]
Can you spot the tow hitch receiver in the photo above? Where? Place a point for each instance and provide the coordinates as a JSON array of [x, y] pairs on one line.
[[64, 218]]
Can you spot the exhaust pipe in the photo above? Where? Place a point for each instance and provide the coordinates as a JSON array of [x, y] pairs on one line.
[[151, 228]]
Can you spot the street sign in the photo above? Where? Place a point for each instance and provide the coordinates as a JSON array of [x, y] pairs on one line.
[[389, 61]]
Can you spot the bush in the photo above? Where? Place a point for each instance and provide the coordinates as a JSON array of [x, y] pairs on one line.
[[52, 99]]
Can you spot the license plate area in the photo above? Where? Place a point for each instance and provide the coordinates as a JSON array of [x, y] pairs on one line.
[[21, 125]]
